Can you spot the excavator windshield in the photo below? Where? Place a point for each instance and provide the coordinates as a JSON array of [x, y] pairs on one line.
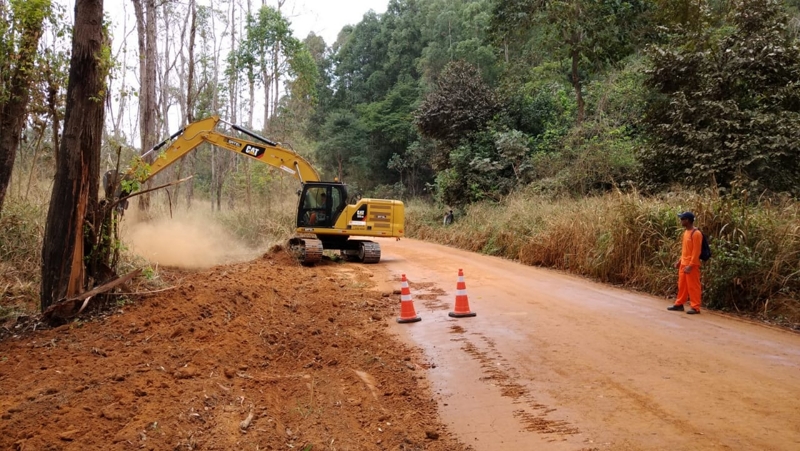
[[321, 204]]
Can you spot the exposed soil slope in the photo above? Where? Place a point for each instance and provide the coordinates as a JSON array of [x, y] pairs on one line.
[[303, 353]]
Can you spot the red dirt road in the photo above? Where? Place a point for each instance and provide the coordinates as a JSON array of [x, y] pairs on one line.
[[555, 362]]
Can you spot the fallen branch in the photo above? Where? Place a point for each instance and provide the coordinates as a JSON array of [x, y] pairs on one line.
[[246, 423], [67, 306], [85, 303], [143, 293], [139, 193]]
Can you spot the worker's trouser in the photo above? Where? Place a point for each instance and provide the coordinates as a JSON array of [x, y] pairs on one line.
[[689, 288]]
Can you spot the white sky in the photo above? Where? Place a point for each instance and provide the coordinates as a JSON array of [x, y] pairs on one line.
[[327, 17]]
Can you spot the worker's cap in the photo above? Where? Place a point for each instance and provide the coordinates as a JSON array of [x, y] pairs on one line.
[[686, 215]]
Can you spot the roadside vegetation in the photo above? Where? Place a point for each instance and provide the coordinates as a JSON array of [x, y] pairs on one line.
[[632, 240]]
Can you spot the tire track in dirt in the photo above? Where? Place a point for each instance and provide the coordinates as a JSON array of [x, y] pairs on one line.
[[533, 416]]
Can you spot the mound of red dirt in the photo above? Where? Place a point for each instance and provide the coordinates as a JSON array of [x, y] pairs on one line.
[[263, 355]]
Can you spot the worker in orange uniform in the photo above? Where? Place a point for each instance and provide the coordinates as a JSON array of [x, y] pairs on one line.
[[689, 288]]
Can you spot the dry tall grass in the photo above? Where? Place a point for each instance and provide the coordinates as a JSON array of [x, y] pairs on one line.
[[633, 240], [21, 232]]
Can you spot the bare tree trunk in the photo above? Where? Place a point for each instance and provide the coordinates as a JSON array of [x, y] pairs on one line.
[[189, 107], [77, 179], [232, 79], [13, 108], [252, 96], [138, 11], [164, 82], [276, 79], [52, 106], [146, 28], [221, 160], [576, 83], [150, 83], [267, 77], [36, 149], [233, 90]]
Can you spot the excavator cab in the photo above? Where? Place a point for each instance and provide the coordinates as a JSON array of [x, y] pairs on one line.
[[321, 203]]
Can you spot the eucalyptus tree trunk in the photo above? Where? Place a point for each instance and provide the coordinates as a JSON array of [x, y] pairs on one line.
[[187, 106], [576, 84], [75, 189], [148, 61]]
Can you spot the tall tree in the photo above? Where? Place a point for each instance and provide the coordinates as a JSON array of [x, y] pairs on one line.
[[726, 106], [18, 44], [461, 104], [148, 62], [75, 188], [263, 53], [589, 33], [191, 93]]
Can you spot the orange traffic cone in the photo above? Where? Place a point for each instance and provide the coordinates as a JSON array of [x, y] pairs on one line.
[[462, 302], [407, 312]]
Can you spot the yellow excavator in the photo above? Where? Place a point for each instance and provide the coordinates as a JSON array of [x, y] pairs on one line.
[[325, 218]]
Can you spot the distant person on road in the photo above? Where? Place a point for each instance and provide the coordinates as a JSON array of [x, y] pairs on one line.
[[689, 288], [448, 218]]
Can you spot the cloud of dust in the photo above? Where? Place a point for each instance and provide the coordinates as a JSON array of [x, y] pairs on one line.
[[190, 239]]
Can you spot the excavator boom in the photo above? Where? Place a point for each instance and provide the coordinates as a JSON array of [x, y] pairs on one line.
[[265, 151]]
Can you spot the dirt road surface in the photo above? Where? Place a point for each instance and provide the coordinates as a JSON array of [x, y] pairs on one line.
[[555, 362]]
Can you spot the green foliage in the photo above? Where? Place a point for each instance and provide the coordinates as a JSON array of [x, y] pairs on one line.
[[595, 158], [139, 172], [726, 107], [602, 32], [456, 31], [346, 138], [263, 32], [379, 71], [461, 104], [21, 23]]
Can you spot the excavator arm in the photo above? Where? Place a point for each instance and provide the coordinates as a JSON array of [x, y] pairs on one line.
[[264, 150]]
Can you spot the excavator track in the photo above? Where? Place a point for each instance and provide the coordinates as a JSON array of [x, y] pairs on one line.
[[307, 250], [362, 251], [369, 252]]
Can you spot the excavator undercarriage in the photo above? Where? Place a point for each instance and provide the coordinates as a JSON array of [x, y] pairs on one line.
[[309, 250]]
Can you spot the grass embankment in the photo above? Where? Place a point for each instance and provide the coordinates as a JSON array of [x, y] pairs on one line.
[[21, 232], [632, 240]]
